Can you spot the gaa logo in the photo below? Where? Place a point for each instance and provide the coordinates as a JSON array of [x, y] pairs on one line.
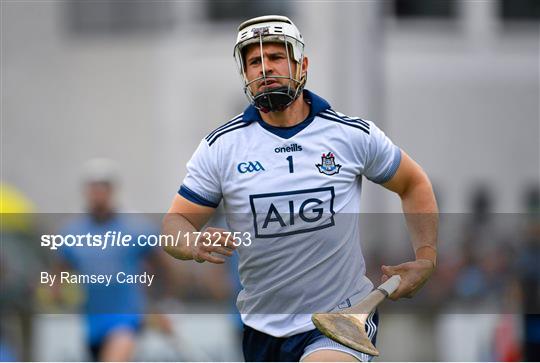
[[249, 167]]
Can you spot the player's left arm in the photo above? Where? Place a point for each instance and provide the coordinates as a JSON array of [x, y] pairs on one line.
[[412, 185]]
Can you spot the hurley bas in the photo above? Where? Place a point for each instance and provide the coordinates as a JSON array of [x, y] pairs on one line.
[[67, 277]]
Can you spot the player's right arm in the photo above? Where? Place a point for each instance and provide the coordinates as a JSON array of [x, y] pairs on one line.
[[183, 219]]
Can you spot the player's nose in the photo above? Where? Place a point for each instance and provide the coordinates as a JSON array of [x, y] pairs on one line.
[[268, 69]]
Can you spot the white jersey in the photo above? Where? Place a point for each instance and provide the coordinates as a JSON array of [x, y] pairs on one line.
[[296, 191]]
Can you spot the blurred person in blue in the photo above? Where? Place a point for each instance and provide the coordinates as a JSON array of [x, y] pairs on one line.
[[481, 275], [114, 313]]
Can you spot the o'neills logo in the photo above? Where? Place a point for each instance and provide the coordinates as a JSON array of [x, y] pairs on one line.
[[288, 149]]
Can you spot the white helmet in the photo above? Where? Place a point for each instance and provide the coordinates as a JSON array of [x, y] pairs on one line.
[[100, 170], [273, 29]]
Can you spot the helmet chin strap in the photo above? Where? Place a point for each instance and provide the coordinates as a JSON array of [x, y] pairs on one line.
[[276, 99]]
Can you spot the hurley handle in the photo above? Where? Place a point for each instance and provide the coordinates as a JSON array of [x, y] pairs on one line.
[[391, 285]]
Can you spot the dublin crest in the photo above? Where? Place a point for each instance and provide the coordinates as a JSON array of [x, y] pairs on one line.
[[328, 164]]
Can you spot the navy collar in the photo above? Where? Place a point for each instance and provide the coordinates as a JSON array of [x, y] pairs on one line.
[[317, 105]]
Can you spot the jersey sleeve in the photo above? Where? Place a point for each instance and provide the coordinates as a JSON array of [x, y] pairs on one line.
[[383, 157], [202, 183]]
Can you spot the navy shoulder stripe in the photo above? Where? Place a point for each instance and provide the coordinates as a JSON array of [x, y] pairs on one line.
[[351, 123], [357, 120], [347, 118], [234, 120], [226, 130]]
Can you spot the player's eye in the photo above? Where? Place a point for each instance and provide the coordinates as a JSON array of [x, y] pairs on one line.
[[255, 61], [277, 56]]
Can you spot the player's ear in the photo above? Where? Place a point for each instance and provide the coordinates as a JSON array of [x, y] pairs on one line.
[[305, 63]]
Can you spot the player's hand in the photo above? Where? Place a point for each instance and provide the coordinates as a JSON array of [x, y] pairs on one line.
[[219, 242], [413, 274]]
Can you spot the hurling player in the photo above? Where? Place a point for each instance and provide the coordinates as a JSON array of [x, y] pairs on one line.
[[289, 173]]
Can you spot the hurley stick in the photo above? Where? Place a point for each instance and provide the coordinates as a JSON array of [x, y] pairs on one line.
[[348, 326]]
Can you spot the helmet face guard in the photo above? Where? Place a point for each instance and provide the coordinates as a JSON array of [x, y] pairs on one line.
[[277, 30]]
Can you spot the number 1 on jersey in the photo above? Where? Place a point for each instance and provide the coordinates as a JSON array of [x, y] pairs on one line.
[[291, 166]]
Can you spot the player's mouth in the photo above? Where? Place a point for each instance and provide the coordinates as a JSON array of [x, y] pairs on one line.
[[268, 83]]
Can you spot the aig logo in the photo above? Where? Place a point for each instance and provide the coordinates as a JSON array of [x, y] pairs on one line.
[[292, 212], [249, 167]]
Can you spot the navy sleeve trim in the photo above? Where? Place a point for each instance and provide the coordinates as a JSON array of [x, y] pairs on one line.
[[391, 171], [195, 198]]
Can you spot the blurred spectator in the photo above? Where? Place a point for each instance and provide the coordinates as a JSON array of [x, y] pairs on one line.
[[478, 276], [114, 313], [488, 252], [475, 283], [19, 262]]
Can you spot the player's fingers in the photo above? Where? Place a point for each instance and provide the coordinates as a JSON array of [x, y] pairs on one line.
[[389, 270], [227, 241], [384, 277], [221, 237], [209, 248], [195, 255], [416, 286], [222, 250], [408, 287], [413, 276], [215, 229], [404, 285], [198, 259], [210, 258], [399, 293]]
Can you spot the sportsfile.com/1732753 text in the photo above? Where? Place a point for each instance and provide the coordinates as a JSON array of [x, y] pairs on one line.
[[121, 239]]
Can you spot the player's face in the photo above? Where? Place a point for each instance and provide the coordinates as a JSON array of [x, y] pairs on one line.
[[99, 197], [276, 63]]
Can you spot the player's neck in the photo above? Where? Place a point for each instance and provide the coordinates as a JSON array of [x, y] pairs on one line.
[[297, 112]]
